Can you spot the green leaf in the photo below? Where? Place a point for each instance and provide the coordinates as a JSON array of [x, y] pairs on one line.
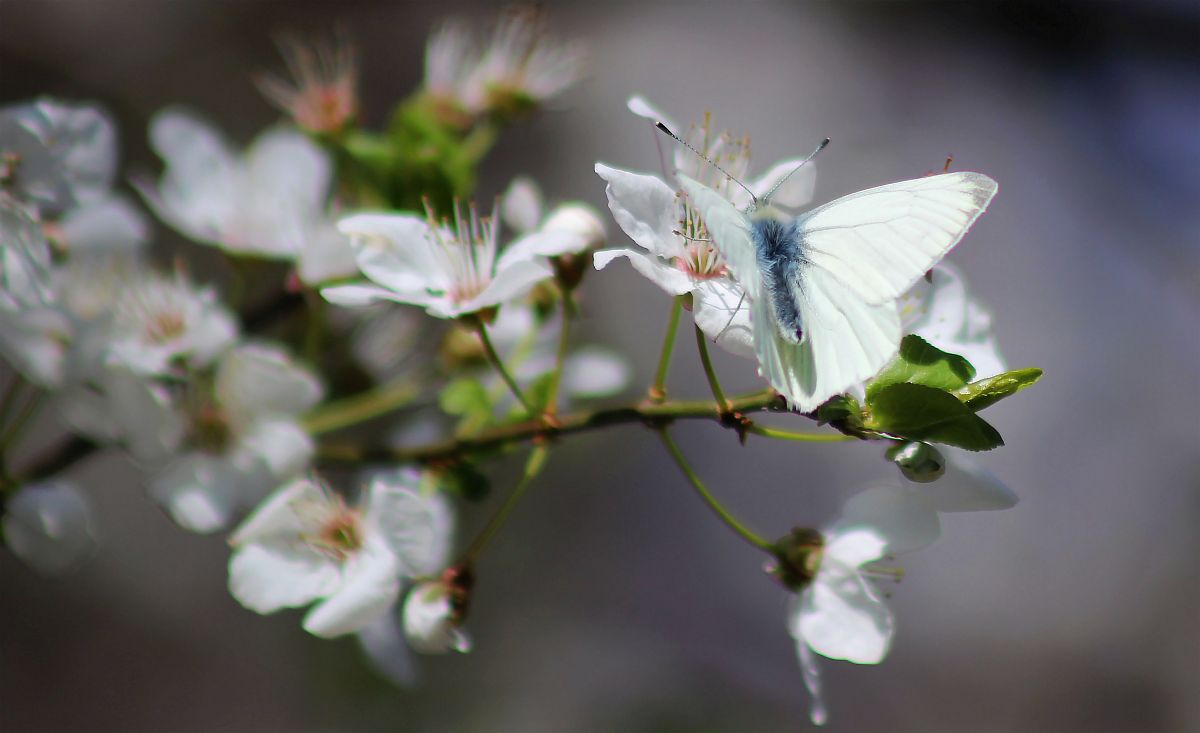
[[538, 392], [918, 412], [919, 362], [464, 397], [987, 392]]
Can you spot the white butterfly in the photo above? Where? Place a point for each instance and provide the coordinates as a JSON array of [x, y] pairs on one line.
[[822, 285]]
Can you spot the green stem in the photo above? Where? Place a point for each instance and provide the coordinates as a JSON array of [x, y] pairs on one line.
[[533, 466], [711, 373], [498, 364], [561, 356], [799, 437], [361, 407], [709, 499], [658, 390], [645, 413], [12, 432]]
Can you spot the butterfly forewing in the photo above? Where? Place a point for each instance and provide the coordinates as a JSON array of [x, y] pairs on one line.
[[880, 241]]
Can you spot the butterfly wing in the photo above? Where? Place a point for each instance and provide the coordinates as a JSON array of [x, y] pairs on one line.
[[846, 339], [880, 241], [730, 231]]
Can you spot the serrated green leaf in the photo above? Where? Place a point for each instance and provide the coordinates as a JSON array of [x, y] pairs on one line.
[[919, 362], [987, 392], [918, 412], [464, 397]]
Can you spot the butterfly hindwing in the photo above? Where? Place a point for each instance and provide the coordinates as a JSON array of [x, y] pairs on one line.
[[879, 242]]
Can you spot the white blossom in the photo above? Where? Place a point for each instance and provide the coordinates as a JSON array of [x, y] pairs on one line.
[[50, 526], [944, 313], [840, 613], [322, 95], [519, 66], [450, 270], [240, 436], [674, 250], [306, 544], [159, 320], [271, 201], [56, 155]]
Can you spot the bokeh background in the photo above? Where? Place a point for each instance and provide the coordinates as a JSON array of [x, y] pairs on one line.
[[613, 601]]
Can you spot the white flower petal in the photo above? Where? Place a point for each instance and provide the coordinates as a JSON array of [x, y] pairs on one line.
[[293, 511], [512, 282], [521, 205], [281, 447], [256, 379], [544, 243], [842, 617], [419, 528], [327, 255], [293, 168], [899, 515], [967, 487], [383, 643], [49, 526], [370, 586], [796, 191], [393, 251], [854, 546], [645, 208], [110, 223], [722, 311], [671, 279], [359, 296], [201, 492], [641, 107], [269, 575], [809, 670]]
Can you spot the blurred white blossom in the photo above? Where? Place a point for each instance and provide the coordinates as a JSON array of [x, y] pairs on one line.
[[271, 201], [322, 95], [306, 544], [49, 525], [240, 436], [520, 66], [840, 613], [450, 270]]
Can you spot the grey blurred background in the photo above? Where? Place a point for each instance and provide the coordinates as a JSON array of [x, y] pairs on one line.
[[613, 601]]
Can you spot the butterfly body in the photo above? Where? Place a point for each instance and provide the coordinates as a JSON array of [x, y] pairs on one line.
[[780, 254], [822, 286]]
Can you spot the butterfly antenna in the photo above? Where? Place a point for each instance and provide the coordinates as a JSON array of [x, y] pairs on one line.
[[706, 159], [783, 180]]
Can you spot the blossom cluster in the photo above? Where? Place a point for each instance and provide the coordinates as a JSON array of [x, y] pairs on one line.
[[363, 278]]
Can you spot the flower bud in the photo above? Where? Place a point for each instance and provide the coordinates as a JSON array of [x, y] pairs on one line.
[[580, 219], [431, 621], [798, 556], [919, 462]]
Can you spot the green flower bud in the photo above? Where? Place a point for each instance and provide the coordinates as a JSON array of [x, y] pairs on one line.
[[919, 462]]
